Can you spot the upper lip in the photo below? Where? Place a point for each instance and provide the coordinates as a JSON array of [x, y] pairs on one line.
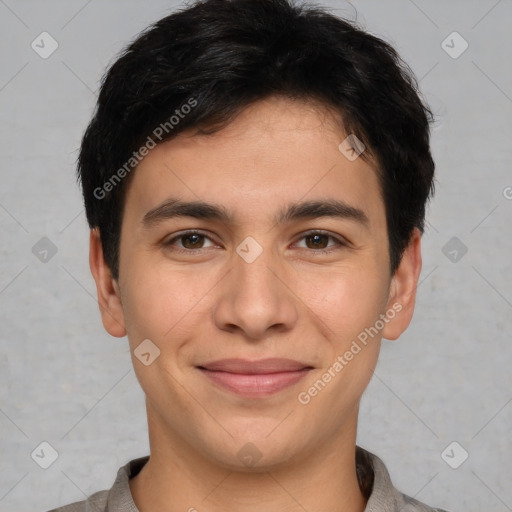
[[261, 366]]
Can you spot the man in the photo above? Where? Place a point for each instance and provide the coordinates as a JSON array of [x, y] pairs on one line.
[[255, 179]]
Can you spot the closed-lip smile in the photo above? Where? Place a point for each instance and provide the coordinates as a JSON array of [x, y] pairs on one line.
[[255, 378]]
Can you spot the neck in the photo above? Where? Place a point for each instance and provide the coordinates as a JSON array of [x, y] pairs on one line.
[[179, 478]]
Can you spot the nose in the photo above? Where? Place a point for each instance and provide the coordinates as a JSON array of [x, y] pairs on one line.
[[256, 298]]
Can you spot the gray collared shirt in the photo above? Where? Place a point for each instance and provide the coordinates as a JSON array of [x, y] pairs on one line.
[[383, 497]]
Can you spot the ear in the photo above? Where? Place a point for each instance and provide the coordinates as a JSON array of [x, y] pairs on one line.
[[402, 290], [109, 297]]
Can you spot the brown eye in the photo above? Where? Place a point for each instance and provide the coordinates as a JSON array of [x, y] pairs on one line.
[[317, 241], [189, 241], [193, 241]]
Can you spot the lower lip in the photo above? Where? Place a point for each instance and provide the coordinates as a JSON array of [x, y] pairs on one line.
[[255, 385]]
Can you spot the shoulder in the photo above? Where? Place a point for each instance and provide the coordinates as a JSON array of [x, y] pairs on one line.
[[405, 503], [118, 497], [97, 502], [384, 497]]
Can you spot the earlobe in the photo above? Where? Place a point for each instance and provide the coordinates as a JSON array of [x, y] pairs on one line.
[[109, 298], [402, 295]]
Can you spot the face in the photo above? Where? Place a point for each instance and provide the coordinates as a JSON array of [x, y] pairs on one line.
[[284, 254]]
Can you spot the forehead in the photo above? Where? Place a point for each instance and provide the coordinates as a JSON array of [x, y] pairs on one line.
[[274, 153]]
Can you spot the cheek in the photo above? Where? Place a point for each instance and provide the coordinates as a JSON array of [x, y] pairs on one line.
[[167, 309], [163, 304], [343, 306], [344, 300]]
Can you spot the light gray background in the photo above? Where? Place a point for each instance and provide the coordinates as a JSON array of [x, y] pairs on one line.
[[65, 381]]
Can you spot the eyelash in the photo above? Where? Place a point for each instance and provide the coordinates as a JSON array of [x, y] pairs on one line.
[[339, 242]]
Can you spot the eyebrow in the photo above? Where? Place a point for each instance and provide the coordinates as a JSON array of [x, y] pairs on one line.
[[173, 207]]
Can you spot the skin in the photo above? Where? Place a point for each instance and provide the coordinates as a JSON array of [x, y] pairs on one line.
[[293, 301]]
